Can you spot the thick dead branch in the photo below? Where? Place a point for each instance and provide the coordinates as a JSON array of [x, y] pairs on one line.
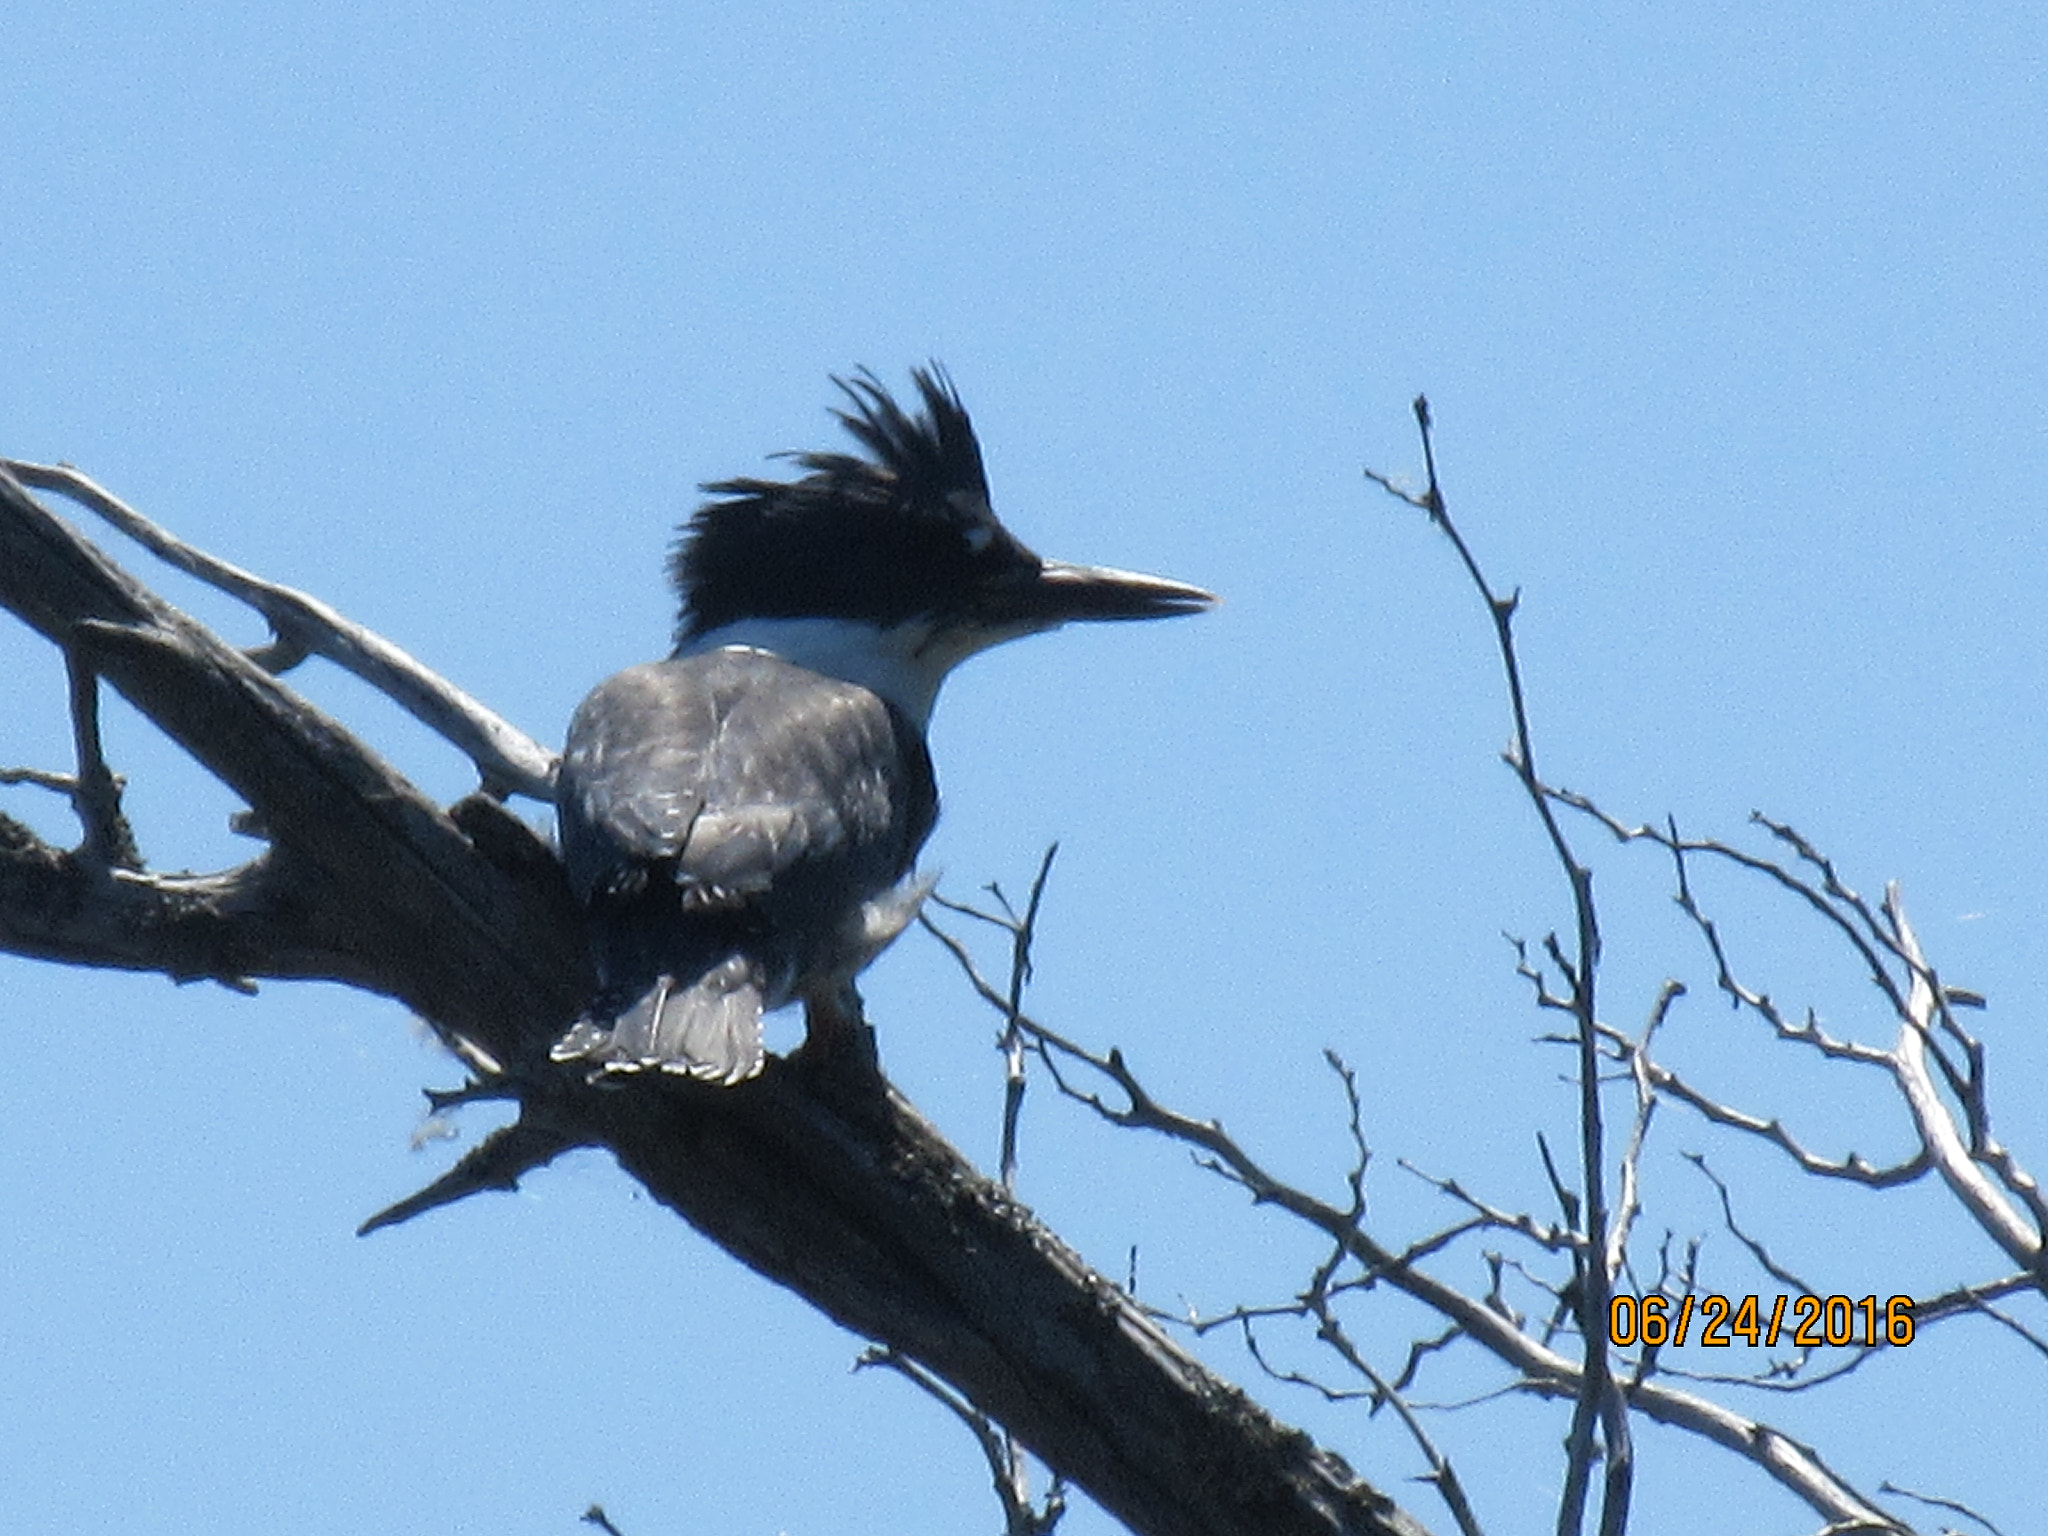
[[508, 759], [832, 1187], [391, 875]]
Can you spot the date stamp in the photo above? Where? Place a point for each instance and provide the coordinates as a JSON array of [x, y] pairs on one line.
[[1720, 1322]]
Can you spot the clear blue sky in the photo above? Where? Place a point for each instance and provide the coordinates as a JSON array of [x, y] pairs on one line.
[[1734, 327]]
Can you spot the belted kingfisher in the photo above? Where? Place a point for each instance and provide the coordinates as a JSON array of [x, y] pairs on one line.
[[741, 820]]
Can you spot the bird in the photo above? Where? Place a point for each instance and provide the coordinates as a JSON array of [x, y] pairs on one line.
[[741, 821]]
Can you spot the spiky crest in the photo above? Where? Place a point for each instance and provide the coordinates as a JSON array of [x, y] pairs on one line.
[[890, 536]]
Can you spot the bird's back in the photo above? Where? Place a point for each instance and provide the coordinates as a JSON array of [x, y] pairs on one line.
[[730, 820]]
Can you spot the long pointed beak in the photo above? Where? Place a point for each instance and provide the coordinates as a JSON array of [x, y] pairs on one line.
[[1058, 593]]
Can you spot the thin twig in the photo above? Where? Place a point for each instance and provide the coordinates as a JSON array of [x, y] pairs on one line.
[[1599, 1403], [1935, 1501], [1023, 930], [1639, 1131], [1006, 1469]]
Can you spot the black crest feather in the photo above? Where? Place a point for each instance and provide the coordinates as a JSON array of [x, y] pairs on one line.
[[885, 536]]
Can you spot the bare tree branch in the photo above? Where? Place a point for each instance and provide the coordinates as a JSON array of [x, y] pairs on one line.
[[1538, 1369], [1021, 1516], [1853, 1167], [1958, 1161], [1934, 1502], [1022, 929], [1599, 1402], [509, 760], [828, 1184], [2001, 1196]]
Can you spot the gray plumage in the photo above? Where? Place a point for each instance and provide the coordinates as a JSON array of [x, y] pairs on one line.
[[740, 821], [738, 827]]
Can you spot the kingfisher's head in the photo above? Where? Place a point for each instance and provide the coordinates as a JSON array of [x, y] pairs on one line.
[[892, 559]]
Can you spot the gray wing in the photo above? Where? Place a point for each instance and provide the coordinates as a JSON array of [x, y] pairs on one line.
[[731, 821], [734, 774]]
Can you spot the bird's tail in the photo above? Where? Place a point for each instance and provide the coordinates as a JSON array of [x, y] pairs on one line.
[[708, 1028], [687, 998]]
